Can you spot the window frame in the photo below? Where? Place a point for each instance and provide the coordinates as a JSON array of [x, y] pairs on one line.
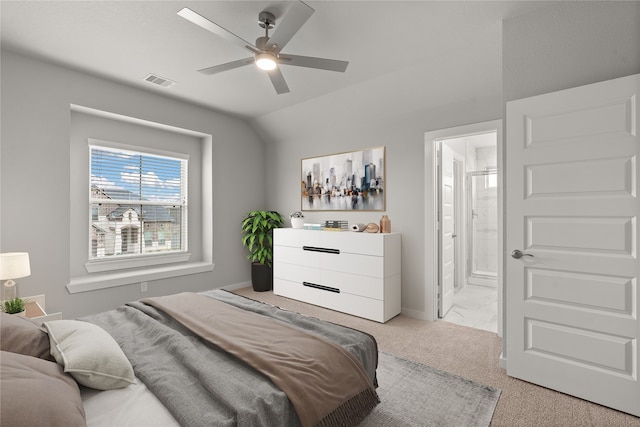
[[137, 260], [108, 274]]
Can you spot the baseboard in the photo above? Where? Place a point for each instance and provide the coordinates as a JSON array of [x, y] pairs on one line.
[[502, 361], [415, 314], [237, 286]]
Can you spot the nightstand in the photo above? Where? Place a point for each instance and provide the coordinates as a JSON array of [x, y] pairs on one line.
[[35, 307]]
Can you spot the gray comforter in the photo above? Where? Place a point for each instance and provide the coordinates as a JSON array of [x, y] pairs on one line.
[[202, 385]]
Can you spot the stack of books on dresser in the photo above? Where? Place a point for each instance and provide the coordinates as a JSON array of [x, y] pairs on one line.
[[310, 226], [336, 225]]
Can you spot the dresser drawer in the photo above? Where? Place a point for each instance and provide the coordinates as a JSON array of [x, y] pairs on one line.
[[296, 291], [296, 273], [366, 265], [354, 304], [293, 255], [296, 238], [344, 282], [355, 243], [353, 284]]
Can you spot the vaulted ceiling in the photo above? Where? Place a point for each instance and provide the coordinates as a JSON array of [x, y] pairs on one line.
[[408, 47]]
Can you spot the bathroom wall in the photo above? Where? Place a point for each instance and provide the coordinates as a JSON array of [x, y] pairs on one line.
[[484, 249]]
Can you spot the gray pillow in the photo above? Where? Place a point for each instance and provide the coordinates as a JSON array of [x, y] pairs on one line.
[[87, 352], [35, 392], [22, 335]]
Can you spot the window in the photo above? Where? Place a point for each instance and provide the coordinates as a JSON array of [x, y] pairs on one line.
[[93, 269], [491, 178], [137, 202]]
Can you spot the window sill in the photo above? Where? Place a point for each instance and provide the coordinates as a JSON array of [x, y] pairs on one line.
[[101, 266], [111, 280]]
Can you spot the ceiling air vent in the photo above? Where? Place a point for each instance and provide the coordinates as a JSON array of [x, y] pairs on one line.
[[160, 81]]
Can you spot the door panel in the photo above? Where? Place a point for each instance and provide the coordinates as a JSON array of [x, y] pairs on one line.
[[604, 118], [609, 294], [597, 235], [588, 178], [581, 346], [572, 321]]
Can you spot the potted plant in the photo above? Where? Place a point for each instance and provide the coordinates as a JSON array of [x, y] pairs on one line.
[[257, 236], [297, 219], [15, 306]]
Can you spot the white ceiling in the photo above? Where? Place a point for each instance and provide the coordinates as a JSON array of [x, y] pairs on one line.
[[382, 40]]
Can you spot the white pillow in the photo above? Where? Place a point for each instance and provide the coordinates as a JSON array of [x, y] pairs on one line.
[[87, 352]]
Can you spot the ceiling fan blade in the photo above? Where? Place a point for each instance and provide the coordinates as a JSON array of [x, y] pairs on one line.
[[289, 25], [313, 62], [277, 79], [216, 29], [228, 66]]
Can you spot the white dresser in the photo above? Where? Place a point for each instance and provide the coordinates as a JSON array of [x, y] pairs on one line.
[[355, 273]]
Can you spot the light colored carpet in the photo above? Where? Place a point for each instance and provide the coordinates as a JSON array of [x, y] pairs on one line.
[[472, 354], [413, 394]]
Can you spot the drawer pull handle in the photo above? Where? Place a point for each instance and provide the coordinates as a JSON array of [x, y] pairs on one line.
[[323, 250], [323, 287]]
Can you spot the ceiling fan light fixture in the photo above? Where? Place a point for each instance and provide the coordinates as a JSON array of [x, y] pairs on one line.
[[266, 61]]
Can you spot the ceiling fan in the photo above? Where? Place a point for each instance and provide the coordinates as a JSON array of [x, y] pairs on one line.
[[267, 50]]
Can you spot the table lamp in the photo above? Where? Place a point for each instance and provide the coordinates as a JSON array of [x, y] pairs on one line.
[[13, 265]]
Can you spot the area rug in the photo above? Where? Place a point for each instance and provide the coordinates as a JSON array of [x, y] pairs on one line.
[[413, 394]]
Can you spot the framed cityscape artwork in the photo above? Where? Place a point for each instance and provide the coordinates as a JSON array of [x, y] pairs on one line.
[[351, 181]]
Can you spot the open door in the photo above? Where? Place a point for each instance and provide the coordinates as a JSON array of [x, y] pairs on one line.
[[572, 231], [446, 282]]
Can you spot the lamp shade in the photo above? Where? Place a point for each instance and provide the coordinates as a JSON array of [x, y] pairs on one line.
[[14, 265]]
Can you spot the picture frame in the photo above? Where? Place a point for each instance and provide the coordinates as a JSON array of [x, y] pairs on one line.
[[348, 181]]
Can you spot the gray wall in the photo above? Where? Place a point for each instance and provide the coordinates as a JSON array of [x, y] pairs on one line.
[[569, 44], [35, 178]]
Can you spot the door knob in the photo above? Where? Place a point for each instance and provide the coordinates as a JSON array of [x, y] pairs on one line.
[[517, 254]]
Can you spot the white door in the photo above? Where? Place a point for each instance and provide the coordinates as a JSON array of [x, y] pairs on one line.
[[572, 204], [447, 231]]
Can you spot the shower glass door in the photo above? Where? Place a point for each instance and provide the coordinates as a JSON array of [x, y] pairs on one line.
[[482, 227]]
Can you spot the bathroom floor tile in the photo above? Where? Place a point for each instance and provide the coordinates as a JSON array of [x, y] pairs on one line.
[[475, 306]]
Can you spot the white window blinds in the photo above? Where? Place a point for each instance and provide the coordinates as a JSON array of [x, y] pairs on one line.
[[137, 201]]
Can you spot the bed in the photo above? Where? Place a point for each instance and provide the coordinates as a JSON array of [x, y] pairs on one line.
[[212, 359]]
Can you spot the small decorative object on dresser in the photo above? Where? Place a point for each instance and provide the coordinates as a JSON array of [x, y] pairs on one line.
[[372, 227], [385, 224], [297, 219], [359, 227], [356, 273], [336, 225]]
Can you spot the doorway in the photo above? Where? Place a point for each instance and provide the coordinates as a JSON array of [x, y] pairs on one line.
[[476, 226], [470, 250]]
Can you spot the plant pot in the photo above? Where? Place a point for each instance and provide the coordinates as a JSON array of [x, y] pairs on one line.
[[297, 222], [23, 313], [261, 277]]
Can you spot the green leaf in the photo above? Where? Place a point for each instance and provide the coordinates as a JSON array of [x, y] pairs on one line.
[[257, 231]]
